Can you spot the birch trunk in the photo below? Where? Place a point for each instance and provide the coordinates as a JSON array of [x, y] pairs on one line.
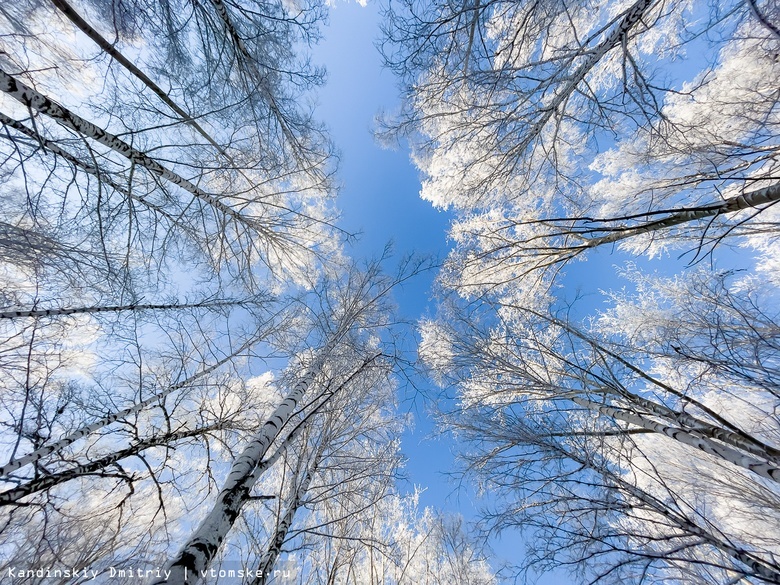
[[618, 36], [690, 438], [48, 481], [199, 551], [98, 39], [109, 309], [691, 423], [749, 200], [43, 105], [268, 561], [196, 555]]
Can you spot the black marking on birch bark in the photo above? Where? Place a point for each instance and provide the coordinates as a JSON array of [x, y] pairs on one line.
[[42, 104]]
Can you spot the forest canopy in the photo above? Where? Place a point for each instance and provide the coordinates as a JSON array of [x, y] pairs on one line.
[[201, 369]]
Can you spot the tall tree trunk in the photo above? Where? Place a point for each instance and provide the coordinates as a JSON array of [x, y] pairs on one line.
[[268, 561], [115, 309], [98, 39], [616, 37], [690, 438], [199, 551], [750, 200], [47, 481], [42, 104]]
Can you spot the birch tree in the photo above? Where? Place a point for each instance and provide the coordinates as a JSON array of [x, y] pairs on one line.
[[556, 128], [221, 169], [333, 381], [638, 447], [113, 451]]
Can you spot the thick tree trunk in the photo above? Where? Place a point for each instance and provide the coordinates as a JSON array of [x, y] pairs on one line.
[[690, 423], [196, 555]]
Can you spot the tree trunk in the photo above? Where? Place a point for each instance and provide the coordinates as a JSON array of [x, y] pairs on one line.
[[40, 103], [98, 39], [198, 552], [690, 438], [275, 547], [47, 481]]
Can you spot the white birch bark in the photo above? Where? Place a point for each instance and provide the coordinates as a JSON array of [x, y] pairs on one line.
[[87, 167], [198, 552], [690, 438], [749, 200], [618, 36], [40, 103], [196, 555], [110, 309], [36, 455], [691, 423]]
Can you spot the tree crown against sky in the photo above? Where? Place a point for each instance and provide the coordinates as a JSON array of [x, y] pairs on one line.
[[613, 435], [196, 375]]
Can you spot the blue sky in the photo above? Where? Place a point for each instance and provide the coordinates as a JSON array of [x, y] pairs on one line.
[[379, 197], [379, 194]]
